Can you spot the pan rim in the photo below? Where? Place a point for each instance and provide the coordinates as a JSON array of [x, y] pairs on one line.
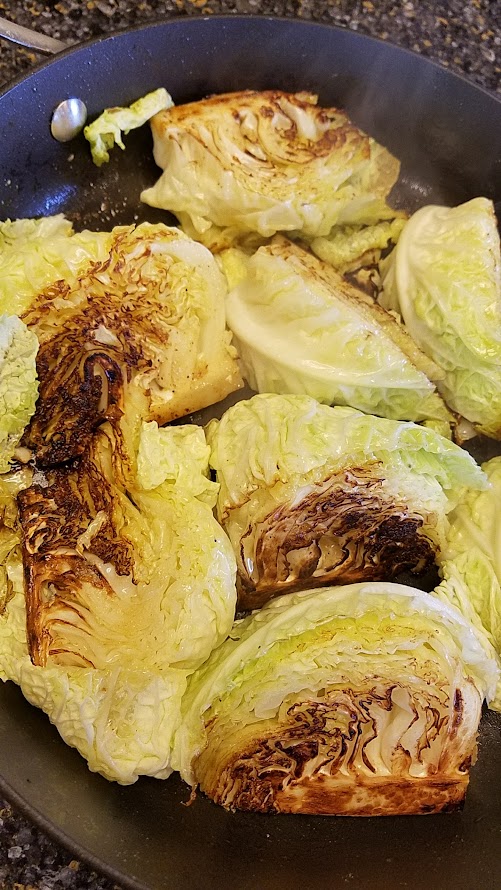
[[196, 20]]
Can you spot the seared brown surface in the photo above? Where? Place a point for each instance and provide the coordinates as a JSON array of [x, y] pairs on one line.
[[346, 529], [55, 514], [317, 757]]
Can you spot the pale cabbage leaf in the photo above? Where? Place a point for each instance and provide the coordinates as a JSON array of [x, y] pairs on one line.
[[300, 327], [444, 278]]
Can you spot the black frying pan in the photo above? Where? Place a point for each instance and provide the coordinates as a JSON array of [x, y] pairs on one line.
[[448, 135]]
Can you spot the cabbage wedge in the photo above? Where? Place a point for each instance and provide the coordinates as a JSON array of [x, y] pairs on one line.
[[127, 591], [266, 162], [356, 700], [311, 494], [141, 304], [121, 574], [444, 278], [300, 327]]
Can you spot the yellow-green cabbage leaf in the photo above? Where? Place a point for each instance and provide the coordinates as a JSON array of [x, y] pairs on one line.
[[106, 130], [444, 278], [18, 384], [300, 327]]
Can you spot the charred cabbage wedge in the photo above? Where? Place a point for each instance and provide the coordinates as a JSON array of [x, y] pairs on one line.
[[142, 304], [128, 590], [129, 582], [266, 162], [357, 700], [444, 278], [300, 327], [311, 494]]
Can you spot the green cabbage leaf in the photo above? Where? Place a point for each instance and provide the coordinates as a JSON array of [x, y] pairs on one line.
[[18, 384], [444, 278], [300, 327], [179, 455], [348, 247], [106, 130]]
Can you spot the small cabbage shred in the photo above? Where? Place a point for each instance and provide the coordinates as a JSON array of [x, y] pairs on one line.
[[311, 494], [444, 278], [266, 162], [300, 327], [106, 131], [358, 699]]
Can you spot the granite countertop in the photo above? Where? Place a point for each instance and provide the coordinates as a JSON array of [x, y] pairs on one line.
[[463, 36]]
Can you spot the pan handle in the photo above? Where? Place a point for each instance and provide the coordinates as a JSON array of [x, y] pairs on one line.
[[31, 39]]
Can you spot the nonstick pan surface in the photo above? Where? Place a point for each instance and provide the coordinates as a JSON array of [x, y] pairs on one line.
[[447, 134]]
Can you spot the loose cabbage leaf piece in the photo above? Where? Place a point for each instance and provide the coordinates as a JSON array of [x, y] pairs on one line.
[[267, 162], [311, 494], [300, 327], [151, 311], [128, 591], [347, 248], [444, 278], [106, 131], [471, 562], [356, 251], [360, 700], [18, 384], [179, 455]]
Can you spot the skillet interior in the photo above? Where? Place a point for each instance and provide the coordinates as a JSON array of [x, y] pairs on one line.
[[446, 132]]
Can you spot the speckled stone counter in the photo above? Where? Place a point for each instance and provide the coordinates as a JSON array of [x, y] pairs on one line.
[[465, 37]]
